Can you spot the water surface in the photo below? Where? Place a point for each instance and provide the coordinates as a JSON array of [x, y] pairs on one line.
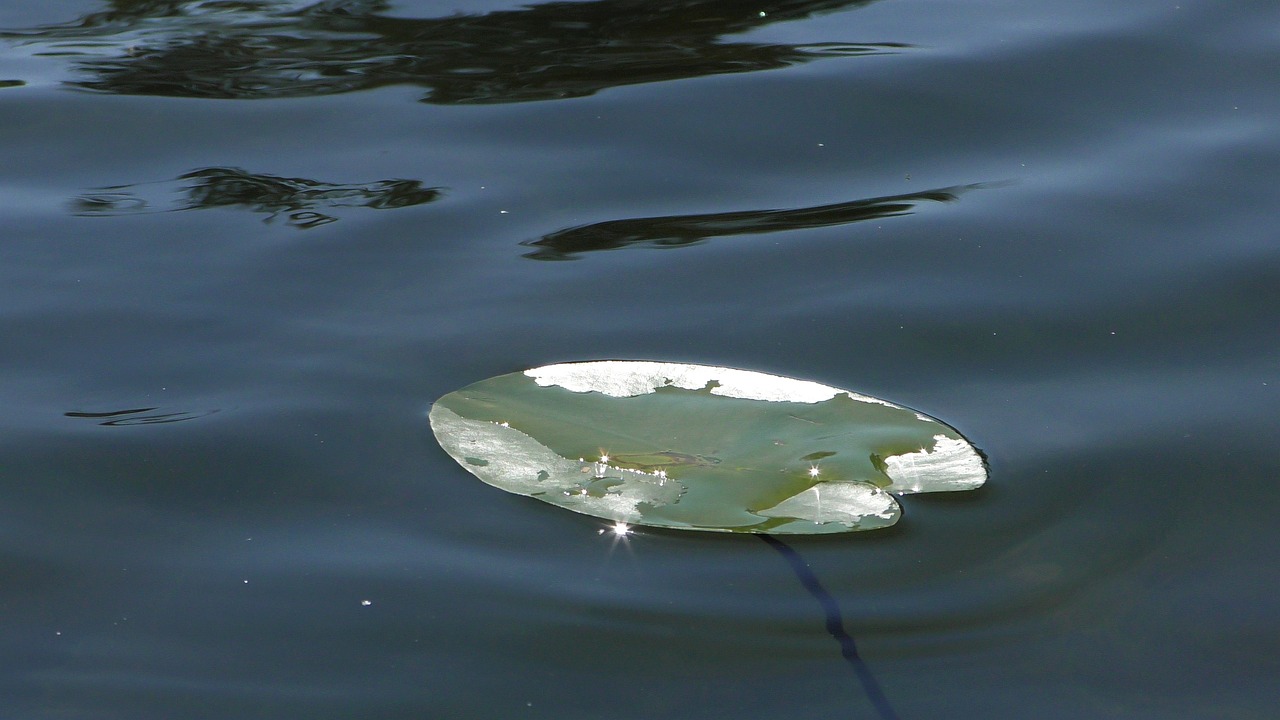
[[246, 245]]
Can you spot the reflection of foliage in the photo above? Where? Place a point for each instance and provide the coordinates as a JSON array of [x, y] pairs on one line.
[[266, 49], [232, 187], [681, 230], [123, 418]]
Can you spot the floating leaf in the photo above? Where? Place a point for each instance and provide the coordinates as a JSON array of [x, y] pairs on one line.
[[696, 447]]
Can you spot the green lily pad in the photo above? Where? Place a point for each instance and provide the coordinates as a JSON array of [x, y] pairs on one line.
[[696, 447]]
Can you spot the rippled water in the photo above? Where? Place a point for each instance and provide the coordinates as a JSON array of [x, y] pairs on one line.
[[247, 244]]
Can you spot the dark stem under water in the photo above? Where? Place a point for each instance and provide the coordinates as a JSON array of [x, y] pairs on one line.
[[835, 625]]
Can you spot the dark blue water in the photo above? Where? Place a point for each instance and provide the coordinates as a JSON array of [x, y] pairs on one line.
[[246, 244]]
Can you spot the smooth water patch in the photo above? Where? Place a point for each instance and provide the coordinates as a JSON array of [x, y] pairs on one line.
[[701, 448]]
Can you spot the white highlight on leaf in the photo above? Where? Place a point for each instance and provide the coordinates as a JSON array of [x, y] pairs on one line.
[[508, 459], [951, 464], [850, 504], [626, 378]]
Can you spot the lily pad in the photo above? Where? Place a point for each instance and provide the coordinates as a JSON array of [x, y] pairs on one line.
[[696, 447]]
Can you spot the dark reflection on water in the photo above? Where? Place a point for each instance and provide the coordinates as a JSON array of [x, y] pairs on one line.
[[232, 187], [541, 52], [135, 416], [682, 230]]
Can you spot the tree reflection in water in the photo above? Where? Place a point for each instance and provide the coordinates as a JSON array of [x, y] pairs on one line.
[[682, 230], [214, 187], [274, 49]]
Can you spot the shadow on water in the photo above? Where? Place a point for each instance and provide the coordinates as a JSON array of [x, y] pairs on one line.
[[682, 230], [217, 187], [273, 49], [835, 625]]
